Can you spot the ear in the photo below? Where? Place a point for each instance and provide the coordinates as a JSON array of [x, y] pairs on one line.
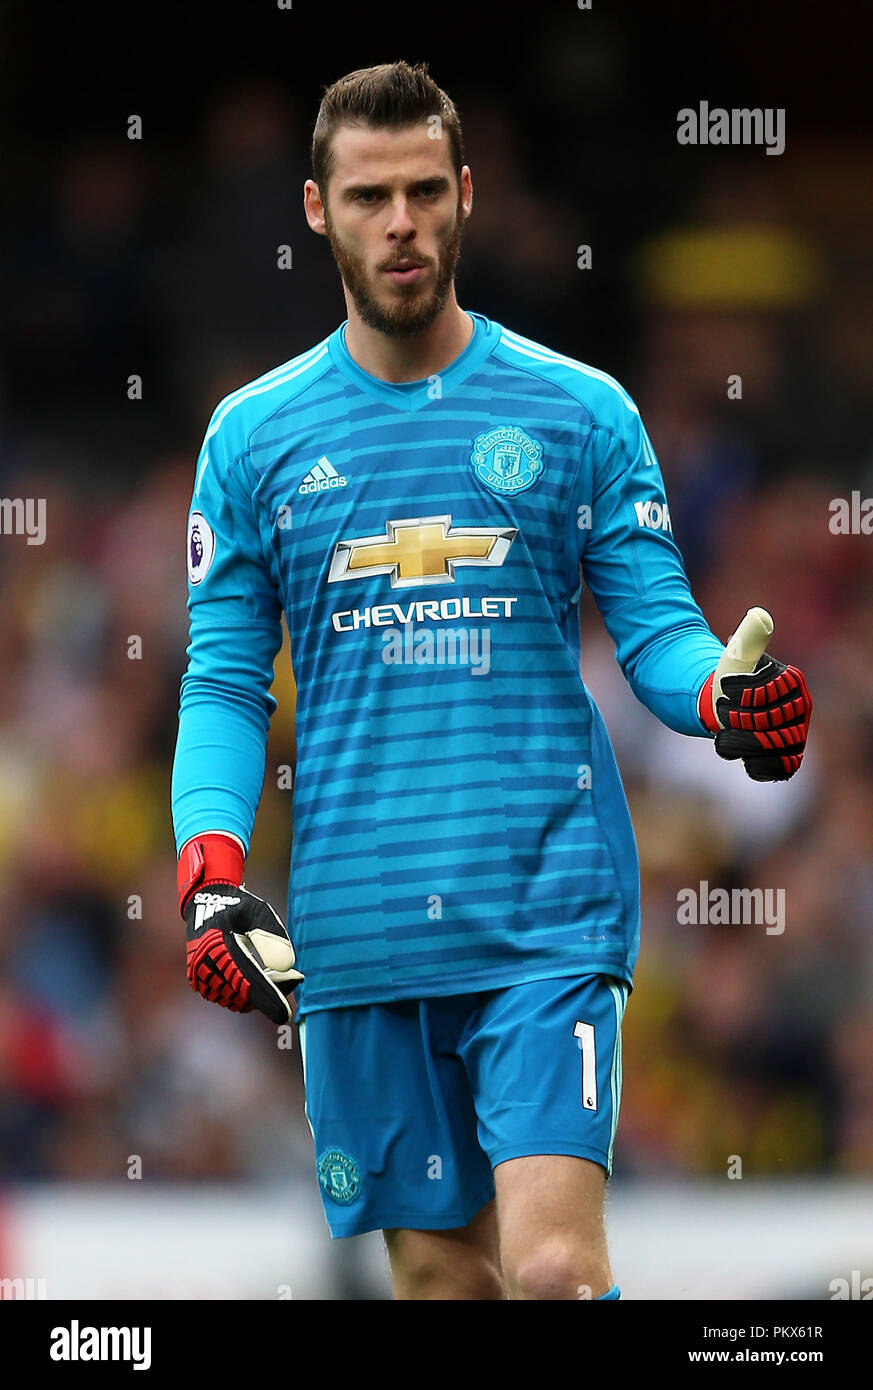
[[313, 207]]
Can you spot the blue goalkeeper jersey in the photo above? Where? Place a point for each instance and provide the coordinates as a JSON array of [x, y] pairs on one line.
[[459, 820]]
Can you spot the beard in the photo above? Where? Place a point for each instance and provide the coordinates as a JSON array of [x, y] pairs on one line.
[[412, 311]]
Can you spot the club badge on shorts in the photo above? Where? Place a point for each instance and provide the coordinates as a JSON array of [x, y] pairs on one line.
[[506, 460], [339, 1176]]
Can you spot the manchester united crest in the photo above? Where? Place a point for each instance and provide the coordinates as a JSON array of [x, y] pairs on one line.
[[506, 459]]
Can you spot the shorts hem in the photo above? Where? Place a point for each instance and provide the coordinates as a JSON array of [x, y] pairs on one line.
[[411, 1221], [547, 1147]]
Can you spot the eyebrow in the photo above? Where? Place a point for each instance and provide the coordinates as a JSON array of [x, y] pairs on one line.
[[437, 181]]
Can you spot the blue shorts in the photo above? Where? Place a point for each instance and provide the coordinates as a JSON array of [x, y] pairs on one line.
[[413, 1104]]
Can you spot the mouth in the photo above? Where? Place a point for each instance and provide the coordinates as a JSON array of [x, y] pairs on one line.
[[405, 272]]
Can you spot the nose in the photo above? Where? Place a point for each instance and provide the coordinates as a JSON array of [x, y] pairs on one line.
[[400, 225]]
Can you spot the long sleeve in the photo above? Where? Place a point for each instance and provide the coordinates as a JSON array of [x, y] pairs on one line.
[[235, 633], [634, 569]]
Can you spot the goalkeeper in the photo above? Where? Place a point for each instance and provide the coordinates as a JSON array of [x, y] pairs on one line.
[[464, 898]]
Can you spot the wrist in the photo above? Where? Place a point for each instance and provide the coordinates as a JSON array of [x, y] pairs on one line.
[[705, 711], [215, 857]]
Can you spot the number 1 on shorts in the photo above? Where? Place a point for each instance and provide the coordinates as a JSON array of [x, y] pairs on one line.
[[585, 1033]]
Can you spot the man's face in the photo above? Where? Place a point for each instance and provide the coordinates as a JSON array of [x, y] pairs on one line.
[[394, 214]]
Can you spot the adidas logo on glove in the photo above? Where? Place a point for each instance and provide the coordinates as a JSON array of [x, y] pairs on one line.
[[208, 904]]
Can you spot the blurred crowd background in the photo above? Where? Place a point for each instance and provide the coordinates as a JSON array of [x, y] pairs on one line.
[[158, 258]]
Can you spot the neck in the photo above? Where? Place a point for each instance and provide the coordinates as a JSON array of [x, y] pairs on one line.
[[401, 359]]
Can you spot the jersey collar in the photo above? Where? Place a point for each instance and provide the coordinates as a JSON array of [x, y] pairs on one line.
[[412, 395]]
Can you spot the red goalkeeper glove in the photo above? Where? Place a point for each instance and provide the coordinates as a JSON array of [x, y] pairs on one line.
[[758, 708], [239, 952]]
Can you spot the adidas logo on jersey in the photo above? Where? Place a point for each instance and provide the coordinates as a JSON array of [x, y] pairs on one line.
[[655, 515], [322, 477], [208, 904]]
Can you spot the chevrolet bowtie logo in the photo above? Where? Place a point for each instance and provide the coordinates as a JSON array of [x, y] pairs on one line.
[[420, 550]]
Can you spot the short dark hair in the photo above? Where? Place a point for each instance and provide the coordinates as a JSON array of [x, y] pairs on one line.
[[389, 94]]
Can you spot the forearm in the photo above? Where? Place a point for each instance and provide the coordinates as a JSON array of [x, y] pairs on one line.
[[218, 770], [668, 659]]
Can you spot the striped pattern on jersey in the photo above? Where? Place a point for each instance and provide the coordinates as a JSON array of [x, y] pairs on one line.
[[459, 821]]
